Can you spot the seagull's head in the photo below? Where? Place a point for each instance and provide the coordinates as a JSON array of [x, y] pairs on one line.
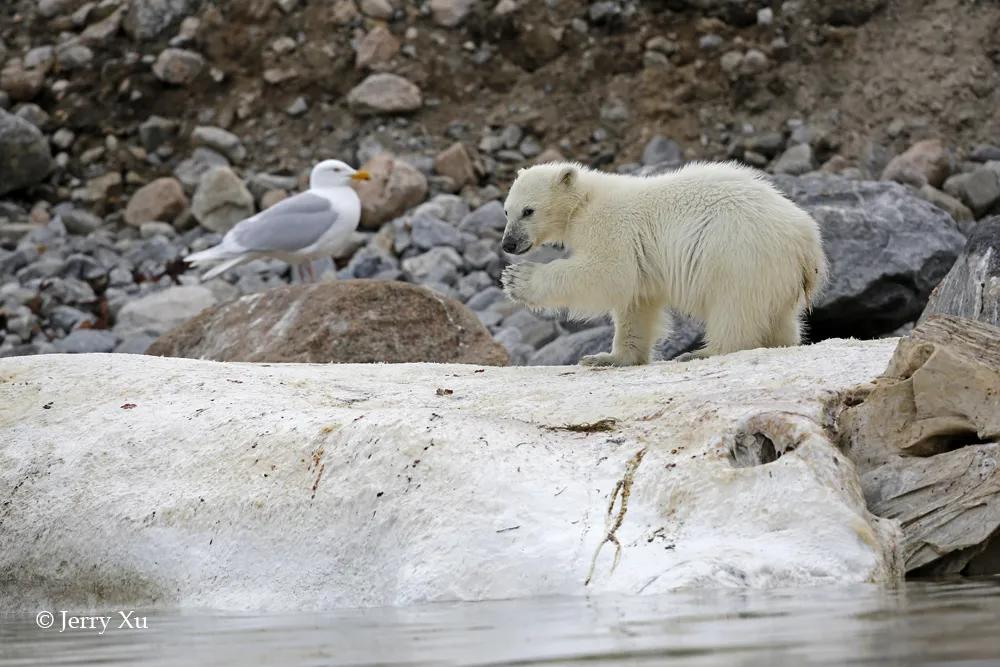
[[335, 174]]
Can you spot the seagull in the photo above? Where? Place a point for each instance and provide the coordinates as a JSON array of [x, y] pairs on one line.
[[299, 229]]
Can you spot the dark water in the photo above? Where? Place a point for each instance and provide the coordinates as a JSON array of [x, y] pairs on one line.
[[956, 623]]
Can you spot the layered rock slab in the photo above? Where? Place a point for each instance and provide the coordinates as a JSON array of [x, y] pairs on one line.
[[925, 436]]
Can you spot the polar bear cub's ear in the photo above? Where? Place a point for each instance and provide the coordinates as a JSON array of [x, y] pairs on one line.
[[567, 175]]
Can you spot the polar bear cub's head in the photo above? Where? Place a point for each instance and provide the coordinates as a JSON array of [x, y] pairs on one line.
[[539, 205]]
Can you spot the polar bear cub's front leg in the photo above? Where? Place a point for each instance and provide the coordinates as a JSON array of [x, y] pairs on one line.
[[570, 283], [637, 327]]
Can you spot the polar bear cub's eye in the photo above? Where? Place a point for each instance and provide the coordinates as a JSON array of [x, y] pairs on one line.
[[527, 212]]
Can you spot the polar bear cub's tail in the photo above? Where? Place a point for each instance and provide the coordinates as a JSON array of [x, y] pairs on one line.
[[814, 268]]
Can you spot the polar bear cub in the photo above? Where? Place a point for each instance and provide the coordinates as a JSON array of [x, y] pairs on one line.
[[713, 240]]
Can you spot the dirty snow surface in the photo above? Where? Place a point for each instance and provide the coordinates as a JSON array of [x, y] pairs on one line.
[[157, 481]]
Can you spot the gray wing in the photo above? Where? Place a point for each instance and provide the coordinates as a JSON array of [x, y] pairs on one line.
[[291, 224]]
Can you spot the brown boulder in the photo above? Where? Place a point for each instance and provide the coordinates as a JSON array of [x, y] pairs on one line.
[[456, 163], [393, 188], [162, 200], [20, 82], [376, 48], [925, 162], [354, 321], [384, 93]]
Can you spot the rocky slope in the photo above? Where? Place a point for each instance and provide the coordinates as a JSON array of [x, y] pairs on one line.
[[138, 130]]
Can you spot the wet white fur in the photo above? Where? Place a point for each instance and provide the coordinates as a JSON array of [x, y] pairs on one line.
[[715, 241]]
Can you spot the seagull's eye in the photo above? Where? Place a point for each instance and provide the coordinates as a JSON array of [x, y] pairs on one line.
[[527, 212]]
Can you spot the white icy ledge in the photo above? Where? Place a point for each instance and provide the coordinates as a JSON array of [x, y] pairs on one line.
[[145, 480]]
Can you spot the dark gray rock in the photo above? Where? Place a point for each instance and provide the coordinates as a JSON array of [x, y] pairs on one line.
[[478, 254], [85, 341], [887, 249], [472, 284], [82, 267], [985, 153], [436, 265], [69, 290], [979, 190], [16, 260], [567, 350], [369, 262], [66, 318], [685, 334], [47, 266], [25, 157], [78, 221], [534, 330], [486, 298], [427, 232], [156, 131], [34, 114], [972, 287]]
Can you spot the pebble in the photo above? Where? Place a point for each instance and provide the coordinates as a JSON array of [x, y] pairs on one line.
[[221, 200], [298, 107], [709, 42], [219, 140], [178, 66], [660, 149], [384, 93], [79, 221], [795, 160], [161, 200]]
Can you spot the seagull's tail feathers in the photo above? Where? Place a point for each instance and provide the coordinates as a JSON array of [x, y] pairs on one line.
[[213, 254], [222, 268]]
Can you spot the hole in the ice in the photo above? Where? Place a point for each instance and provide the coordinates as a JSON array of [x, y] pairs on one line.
[[752, 449]]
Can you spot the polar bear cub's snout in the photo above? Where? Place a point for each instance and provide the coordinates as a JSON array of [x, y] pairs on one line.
[[515, 239], [714, 241]]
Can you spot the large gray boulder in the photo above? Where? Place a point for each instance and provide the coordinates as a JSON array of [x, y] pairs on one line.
[[887, 249], [25, 158], [972, 287]]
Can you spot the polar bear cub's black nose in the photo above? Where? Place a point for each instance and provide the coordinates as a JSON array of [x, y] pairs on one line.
[[509, 245]]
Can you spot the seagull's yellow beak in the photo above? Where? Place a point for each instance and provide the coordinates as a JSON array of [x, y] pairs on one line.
[[360, 176]]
